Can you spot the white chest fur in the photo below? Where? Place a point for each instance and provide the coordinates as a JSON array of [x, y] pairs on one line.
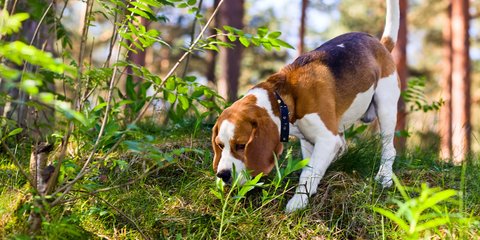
[[356, 110]]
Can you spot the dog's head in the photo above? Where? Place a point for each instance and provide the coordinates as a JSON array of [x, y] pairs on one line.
[[245, 136]]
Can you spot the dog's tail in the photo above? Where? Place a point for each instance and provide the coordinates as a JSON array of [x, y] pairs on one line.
[[392, 22]]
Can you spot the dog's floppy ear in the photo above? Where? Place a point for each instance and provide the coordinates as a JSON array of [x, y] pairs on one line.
[[216, 150], [264, 142]]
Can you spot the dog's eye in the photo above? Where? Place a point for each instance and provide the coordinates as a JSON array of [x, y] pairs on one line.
[[240, 147], [221, 146]]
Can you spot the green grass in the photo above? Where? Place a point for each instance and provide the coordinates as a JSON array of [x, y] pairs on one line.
[[175, 201]]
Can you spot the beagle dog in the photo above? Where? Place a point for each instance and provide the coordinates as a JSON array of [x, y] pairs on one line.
[[315, 98]]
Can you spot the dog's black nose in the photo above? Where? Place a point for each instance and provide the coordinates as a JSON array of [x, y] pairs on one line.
[[225, 175]]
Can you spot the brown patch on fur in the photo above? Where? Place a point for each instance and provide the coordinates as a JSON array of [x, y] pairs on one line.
[[388, 43], [308, 86], [217, 152], [255, 129]]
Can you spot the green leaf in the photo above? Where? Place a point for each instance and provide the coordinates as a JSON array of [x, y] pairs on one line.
[[281, 43], [400, 187], [267, 45], [183, 102], [262, 31], [64, 108], [170, 96], [182, 5], [274, 35], [437, 197], [390, 215], [30, 86], [216, 194], [15, 132], [99, 106], [432, 224], [134, 146], [232, 37], [299, 165], [152, 3], [249, 185], [139, 12], [11, 24], [130, 88], [170, 84], [46, 97], [8, 73], [244, 41], [229, 29]]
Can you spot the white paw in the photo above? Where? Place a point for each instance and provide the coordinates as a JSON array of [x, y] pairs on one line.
[[385, 180], [298, 201]]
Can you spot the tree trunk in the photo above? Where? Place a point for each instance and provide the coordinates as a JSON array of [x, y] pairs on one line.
[[445, 123], [37, 123], [460, 81], [400, 57], [231, 14], [303, 16], [212, 55]]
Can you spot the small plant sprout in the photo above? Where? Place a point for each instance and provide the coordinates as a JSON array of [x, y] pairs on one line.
[[429, 211]]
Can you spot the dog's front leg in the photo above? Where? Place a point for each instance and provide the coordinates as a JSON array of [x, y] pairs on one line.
[[324, 151], [307, 148]]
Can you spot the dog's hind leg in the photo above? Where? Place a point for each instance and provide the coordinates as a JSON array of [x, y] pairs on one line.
[[386, 98]]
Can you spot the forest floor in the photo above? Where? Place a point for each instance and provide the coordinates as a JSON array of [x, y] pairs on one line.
[[179, 200]]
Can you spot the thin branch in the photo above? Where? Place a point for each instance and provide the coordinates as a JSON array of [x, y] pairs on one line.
[[130, 182], [19, 166], [40, 23], [124, 215], [83, 43], [53, 179], [192, 36]]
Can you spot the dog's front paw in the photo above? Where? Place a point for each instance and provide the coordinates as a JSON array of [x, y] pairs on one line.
[[298, 201], [386, 181]]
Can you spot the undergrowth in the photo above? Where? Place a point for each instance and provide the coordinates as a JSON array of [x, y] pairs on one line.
[[183, 200]]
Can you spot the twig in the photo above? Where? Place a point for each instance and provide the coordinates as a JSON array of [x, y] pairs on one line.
[[130, 182], [124, 215], [83, 43], [192, 36], [19, 166], [40, 23]]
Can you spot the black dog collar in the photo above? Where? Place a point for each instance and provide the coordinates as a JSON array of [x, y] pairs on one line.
[[284, 123]]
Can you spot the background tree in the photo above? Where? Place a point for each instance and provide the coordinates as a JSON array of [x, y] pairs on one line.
[[231, 14], [445, 121], [461, 128], [400, 57], [211, 59], [303, 16]]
